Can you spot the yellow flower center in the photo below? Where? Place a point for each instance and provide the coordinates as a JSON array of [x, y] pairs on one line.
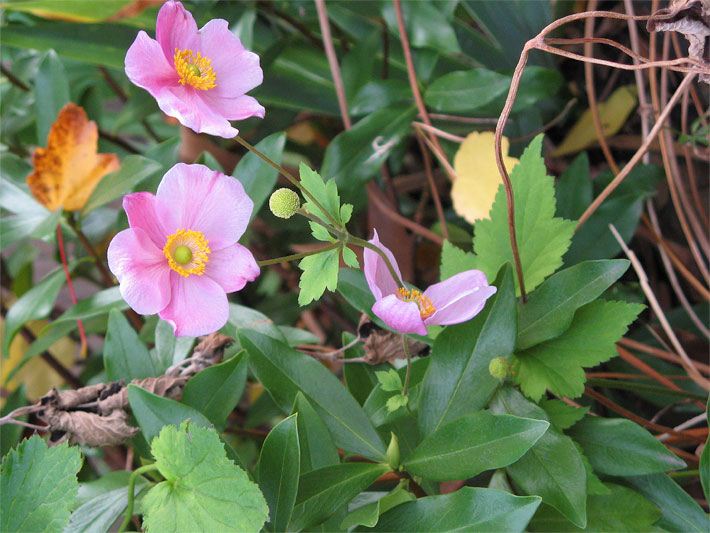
[[194, 69], [187, 252], [426, 308]]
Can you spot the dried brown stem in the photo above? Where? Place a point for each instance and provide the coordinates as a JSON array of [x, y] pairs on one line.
[[432, 186]]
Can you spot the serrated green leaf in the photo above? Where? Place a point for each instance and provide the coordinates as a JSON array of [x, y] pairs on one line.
[[125, 356], [203, 490], [542, 238], [395, 402], [454, 260], [350, 258], [619, 447], [561, 415], [320, 272], [389, 380], [320, 233], [574, 188], [473, 444], [558, 365], [326, 193], [38, 486]]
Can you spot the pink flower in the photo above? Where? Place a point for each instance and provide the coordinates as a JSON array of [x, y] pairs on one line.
[[198, 77], [455, 300], [180, 255]]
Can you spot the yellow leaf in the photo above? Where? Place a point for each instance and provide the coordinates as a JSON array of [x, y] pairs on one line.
[[477, 176], [67, 171], [613, 115]]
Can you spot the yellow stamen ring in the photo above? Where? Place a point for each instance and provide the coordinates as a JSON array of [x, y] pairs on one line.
[[194, 69], [426, 307], [187, 252]]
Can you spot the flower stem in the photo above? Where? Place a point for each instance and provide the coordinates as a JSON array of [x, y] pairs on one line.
[[296, 257], [131, 496], [407, 376], [365, 244]]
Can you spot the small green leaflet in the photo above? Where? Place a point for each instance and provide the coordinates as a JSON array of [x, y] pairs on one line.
[[389, 380], [542, 238], [203, 490], [326, 193], [320, 272], [38, 486], [558, 365]]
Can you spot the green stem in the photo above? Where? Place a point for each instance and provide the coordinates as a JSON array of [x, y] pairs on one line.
[[131, 496], [365, 244], [286, 174], [296, 257], [407, 376]]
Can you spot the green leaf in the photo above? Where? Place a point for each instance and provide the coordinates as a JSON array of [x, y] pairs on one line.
[[622, 509], [553, 468], [396, 402], [561, 415], [320, 272], [97, 304], [467, 509], [258, 177], [619, 447], [322, 492], [154, 412], [125, 356], [10, 434], [102, 502], [574, 188], [51, 93], [242, 317], [426, 26], [454, 260], [36, 224], [326, 193], [351, 159], [284, 372], [316, 444], [203, 490], [457, 381], [349, 257], [134, 169], [542, 238], [216, 390], [389, 380], [34, 304], [558, 365], [549, 310], [704, 465], [473, 444], [353, 287], [679, 511], [38, 486], [369, 514], [279, 469], [379, 94], [466, 91], [169, 349]]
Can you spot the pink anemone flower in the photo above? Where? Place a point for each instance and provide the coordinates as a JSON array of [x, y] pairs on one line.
[[198, 77], [180, 255], [454, 300]]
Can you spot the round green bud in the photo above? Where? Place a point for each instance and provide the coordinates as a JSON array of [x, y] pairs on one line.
[[182, 254], [284, 203], [392, 454], [499, 368]]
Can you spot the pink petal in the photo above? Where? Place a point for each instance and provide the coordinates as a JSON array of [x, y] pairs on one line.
[[459, 298], [193, 197], [377, 274], [147, 67], [175, 28], [237, 69], [399, 315], [207, 118], [141, 269], [232, 267], [198, 306], [141, 210], [239, 108]]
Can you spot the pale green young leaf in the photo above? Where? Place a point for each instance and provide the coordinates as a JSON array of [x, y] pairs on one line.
[[38, 486], [542, 238], [320, 233], [350, 258], [326, 193], [558, 364], [389, 380], [396, 401], [203, 490], [320, 272]]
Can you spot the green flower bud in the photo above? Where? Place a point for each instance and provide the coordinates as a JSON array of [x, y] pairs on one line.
[[284, 203], [499, 368], [392, 454]]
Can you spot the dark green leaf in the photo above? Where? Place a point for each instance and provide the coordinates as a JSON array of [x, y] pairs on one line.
[[369, 514], [379, 94], [279, 470], [97, 304], [473, 444], [125, 356], [426, 26], [467, 509], [11, 433], [216, 390], [51, 93], [574, 188], [466, 91], [316, 444], [561, 415]]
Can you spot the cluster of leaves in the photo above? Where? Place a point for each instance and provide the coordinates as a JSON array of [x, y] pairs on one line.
[[531, 461]]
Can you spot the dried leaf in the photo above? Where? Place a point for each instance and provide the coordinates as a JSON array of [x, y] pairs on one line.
[[90, 429], [382, 346], [477, 176], [67, 171]]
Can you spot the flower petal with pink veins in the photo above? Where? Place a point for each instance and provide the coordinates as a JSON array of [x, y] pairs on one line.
[[198, 306], [399, 315], [175, 28], [232, 267], [141, 269], [378, 276], [147, 67], [459, 298], [142, 213], [193, 197]]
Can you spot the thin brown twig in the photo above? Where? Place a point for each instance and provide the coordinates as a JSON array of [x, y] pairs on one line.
[[432, 186], [661, 354], [404, 221]]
